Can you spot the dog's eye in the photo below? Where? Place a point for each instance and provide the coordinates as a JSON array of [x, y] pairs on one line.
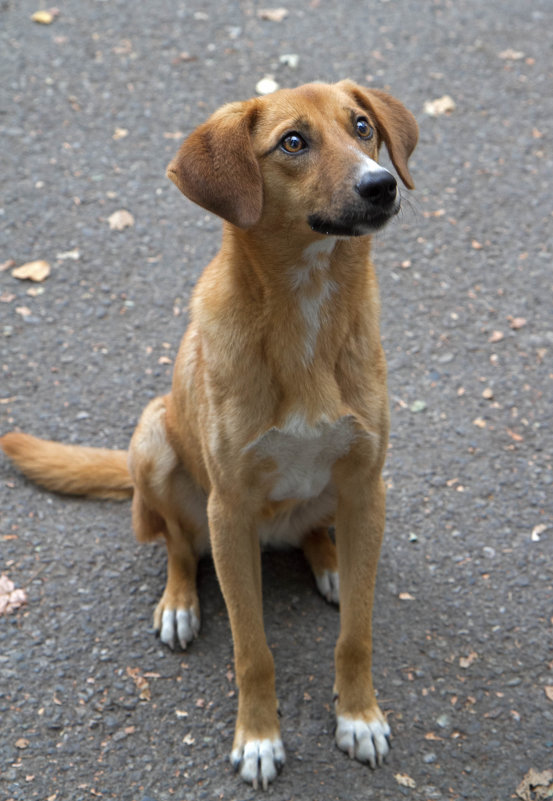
[[364, 130], [293, 143]]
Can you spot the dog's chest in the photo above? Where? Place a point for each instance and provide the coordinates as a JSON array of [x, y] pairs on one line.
[[303, 455]]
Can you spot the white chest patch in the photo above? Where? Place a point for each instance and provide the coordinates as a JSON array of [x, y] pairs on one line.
[[304, 455]]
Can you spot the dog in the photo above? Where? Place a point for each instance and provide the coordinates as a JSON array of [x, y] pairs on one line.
[[276, 426]]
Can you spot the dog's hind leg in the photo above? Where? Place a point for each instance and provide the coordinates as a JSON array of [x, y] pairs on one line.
[[167, 503], [177, 614], [320, 552]]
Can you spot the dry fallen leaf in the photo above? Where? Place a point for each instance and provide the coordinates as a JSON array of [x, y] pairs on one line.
[[273, 14], [23, 311], [517, 322], [404, 780], [466, 661], [406, 596], [442, 105], [511, 55], [74, 255], [10, 598], [537, 531], [21, 743], [141, 684], [436, 213], [549, 692], [32, 271], [184, 56], [124, 48], [120, 220], [43, 17], [536, 786]]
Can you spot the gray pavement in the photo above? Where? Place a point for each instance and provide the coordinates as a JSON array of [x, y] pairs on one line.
[[92, 108]]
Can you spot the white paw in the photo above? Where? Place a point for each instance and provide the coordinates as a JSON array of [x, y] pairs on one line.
[[328, 584], [259, 761], [182, 624], [367, 742]]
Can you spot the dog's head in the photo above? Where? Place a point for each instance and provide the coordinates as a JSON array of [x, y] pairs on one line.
[[302, 157]]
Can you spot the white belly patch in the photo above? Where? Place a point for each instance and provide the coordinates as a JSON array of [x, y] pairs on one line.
[[304, 455]]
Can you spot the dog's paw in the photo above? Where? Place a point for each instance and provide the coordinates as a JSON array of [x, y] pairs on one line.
[[328, 584], [173, 625], [259, 761], [364, 740]]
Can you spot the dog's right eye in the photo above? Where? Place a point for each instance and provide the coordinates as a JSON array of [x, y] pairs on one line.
[[293, 143]]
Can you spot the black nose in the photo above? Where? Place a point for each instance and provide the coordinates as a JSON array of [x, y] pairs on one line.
[[378, 187]]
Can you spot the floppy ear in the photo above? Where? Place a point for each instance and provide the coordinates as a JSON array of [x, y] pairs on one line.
[[396, 125], [217, 168]]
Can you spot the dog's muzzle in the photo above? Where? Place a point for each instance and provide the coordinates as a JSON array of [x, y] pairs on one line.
[[375, 201]]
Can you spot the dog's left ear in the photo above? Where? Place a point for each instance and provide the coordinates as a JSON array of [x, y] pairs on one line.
[[216, 166], [396, 125]]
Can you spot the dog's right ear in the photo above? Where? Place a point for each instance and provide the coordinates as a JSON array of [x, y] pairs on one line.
[[396, 125], [216, 166]]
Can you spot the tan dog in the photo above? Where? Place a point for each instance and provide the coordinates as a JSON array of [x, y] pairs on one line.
[[276, 426]]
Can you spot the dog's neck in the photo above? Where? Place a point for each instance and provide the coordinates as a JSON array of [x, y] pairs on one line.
[[307, 295], [282, 264]]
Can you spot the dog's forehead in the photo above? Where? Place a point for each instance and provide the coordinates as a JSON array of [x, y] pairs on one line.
[[311, 100]]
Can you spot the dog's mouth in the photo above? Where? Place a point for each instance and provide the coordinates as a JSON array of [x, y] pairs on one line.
[[353, 223]]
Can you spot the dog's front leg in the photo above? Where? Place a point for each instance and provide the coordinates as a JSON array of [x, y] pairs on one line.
[[257, 751], [362, 730]]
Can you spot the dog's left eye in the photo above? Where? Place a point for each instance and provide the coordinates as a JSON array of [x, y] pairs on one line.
[[293, 143], [364, 130]]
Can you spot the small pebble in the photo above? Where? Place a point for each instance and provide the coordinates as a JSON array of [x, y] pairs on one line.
[[266, 85], [290, 59]]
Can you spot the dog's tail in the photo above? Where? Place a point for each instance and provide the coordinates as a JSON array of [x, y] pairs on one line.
[[70, 469]]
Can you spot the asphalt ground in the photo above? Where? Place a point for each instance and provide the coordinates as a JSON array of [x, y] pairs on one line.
[[92, 108]]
